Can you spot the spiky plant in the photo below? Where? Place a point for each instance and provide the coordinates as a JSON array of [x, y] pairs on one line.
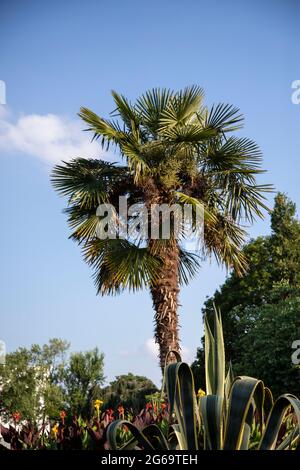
[[234, 414], [176, 150]]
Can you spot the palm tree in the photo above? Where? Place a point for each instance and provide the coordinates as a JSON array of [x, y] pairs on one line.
[[175, 150]]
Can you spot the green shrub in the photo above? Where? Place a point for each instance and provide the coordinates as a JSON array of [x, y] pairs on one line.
[[130, 390]]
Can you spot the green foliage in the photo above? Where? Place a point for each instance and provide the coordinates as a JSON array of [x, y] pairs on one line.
[[50, 361], [129, 390], [40, 382], [83, 376], [272, 284], [266, 348], [29, 381], [18, 385], [285, 242]]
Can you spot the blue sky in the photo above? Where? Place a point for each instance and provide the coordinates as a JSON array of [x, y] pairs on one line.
[[57, 56]]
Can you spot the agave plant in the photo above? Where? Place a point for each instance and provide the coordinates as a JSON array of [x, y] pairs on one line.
[[235, 414]]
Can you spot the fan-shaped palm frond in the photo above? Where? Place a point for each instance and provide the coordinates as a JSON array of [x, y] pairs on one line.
[[244, 200], [132, 149], [224, 117], [182, 107], [198, 205], [224, 239], [189, 265], [231, 155], [119, 264], [105, 130], [188, 134], [150, 107], [86, 182], [125, 111]]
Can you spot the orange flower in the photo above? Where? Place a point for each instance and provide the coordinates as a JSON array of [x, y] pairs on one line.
[[163, 406], [62, 415], [121, 409], [16, 416], [148, 406]]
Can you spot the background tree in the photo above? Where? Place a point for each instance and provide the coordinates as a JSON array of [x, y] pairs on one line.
[[83, 377], [30, 381], [41, 381], [271, 284], [265, 349], [18, 390], [285, 242], [49, 362], [176, 150], [130, 391]]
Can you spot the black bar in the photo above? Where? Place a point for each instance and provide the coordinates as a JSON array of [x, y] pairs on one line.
[[135, 459]]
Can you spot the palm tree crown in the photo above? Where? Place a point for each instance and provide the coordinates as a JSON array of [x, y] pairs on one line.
[[176, 150]]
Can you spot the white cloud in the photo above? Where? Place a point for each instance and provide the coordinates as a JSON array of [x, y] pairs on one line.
[[151, 347], [50, 138]]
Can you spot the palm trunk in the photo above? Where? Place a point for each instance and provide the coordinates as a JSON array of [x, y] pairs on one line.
[[165, 303], [166, 289]]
